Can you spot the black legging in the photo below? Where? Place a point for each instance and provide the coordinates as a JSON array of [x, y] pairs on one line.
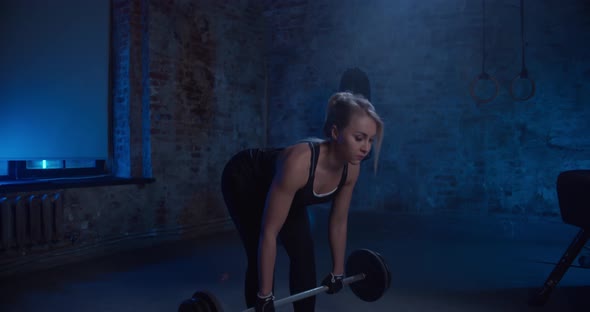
[[246, 206]]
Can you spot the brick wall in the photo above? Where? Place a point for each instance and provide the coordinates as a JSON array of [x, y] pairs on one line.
[[206, 99], [443, 153], [196, 98]]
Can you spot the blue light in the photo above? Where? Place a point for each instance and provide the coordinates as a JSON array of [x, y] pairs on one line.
[[45, 164]]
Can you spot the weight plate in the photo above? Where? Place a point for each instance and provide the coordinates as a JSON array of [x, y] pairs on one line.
[[377, 275], [208, 302]]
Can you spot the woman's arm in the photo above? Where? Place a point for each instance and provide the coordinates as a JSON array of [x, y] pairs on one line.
[[339, 221], [292, 174]]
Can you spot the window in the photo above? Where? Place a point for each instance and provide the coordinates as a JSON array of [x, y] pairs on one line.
[[54, 89]]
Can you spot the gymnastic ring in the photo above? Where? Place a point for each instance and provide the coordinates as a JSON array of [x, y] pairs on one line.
[[522, 75], [484, 76]]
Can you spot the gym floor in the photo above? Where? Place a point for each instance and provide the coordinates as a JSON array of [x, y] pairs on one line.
[[437, 264]]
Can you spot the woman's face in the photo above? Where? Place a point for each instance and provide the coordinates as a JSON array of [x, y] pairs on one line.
[[355, 140]]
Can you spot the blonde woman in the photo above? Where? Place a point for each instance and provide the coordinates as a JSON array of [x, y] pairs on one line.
[[267, 192]]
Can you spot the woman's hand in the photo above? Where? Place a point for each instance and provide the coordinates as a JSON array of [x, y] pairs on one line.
[[333, 282]]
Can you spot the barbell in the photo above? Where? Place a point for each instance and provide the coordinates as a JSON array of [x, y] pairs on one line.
[[368, 277]]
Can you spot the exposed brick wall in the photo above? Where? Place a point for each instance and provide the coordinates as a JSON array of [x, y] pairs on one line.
[[196, 82], [120, 38], [146, 151], [206, 99], [442, 154]]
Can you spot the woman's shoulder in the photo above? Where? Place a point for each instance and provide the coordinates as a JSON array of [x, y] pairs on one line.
[[297, 156], [293, 164], [297, 152]]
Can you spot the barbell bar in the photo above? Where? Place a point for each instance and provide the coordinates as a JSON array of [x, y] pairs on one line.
[[312, 292], [368, 277]]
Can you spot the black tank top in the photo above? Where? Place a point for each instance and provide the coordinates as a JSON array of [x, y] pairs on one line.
[[264, 161]]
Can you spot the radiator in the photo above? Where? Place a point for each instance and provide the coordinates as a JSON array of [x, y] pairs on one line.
[[34, 220]]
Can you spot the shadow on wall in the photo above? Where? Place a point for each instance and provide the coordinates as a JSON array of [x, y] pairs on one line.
[[356, 81]]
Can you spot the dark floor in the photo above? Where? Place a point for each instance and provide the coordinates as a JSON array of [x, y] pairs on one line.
[[450, 264]]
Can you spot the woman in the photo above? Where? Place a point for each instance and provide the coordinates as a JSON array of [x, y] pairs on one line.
[[267, 192]]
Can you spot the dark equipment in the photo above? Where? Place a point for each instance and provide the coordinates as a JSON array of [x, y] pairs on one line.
[[573, 194]]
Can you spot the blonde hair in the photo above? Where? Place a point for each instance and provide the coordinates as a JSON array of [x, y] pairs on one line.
[[341, 106]]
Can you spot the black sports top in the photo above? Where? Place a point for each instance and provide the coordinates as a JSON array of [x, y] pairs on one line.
[[263, 163]]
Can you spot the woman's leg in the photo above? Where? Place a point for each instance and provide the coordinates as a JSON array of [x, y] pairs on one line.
[[298, 243], [246, 211], [250, 235]]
